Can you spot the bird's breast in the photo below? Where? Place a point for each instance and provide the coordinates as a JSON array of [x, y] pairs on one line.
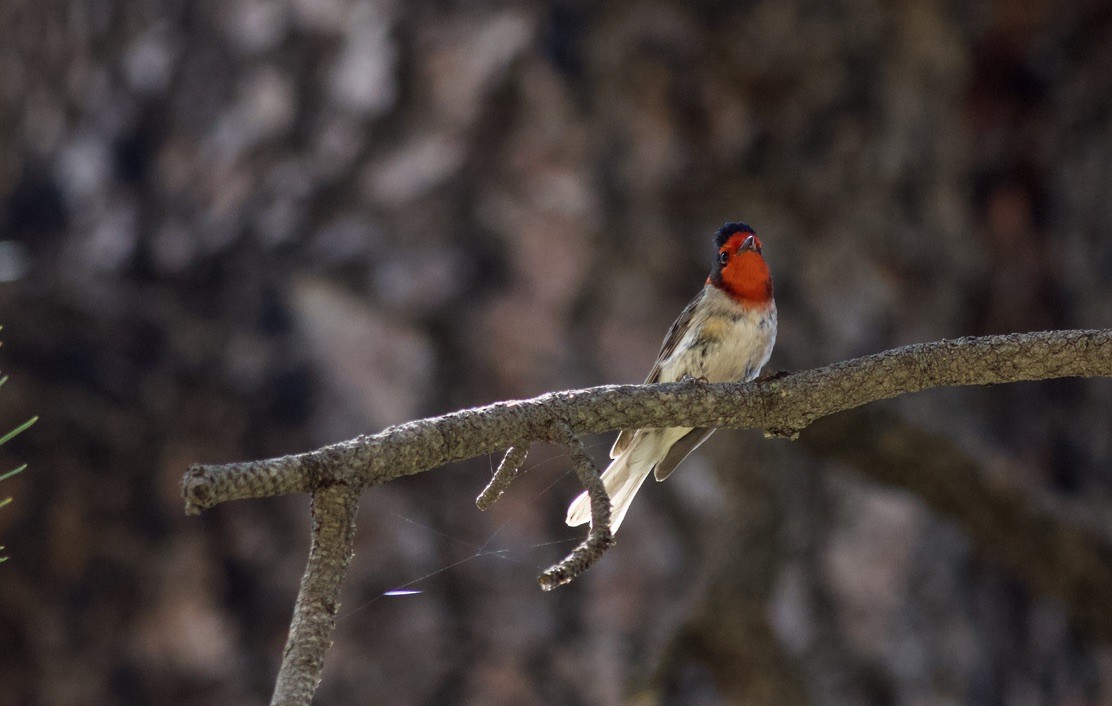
[[724, 343]]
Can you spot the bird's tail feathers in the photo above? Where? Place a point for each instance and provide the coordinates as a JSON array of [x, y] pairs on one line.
[[622, 478]]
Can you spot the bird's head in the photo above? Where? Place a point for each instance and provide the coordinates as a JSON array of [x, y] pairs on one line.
[[739, 269]]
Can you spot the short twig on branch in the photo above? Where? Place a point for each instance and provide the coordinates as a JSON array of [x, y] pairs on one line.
[[507, 471], [782, 406], [599, 538]]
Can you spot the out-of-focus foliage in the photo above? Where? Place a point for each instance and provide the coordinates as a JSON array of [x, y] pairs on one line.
[[239, 228]]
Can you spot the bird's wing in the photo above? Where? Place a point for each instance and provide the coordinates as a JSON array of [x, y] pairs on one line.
[[675, 335], [680, 450]]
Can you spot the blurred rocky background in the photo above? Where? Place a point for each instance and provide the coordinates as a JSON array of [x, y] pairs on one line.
[[232, 229]]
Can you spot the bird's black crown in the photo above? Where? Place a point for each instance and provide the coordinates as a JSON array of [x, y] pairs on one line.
[[729, 229]]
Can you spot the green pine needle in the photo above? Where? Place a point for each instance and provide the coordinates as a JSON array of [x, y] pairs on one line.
[[3, 440], [22, 427], [12, 472]]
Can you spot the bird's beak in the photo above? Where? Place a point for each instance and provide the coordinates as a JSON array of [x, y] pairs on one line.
[[747, 245]]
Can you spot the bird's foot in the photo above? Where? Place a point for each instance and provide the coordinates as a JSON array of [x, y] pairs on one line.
[[690, 378]]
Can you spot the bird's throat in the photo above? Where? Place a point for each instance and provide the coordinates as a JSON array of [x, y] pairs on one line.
[[746, 279]]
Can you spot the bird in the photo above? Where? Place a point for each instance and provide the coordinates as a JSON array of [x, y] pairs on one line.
[[725, 334]]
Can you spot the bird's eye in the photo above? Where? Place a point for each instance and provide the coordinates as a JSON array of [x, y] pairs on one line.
[[723, 258]]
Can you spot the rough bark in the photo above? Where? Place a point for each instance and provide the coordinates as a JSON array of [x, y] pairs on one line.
[[782, 406], [314, 615]]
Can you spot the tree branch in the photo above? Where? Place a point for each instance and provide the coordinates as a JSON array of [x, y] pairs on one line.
[[782, 406], [314, 614], [507, 471], [599, 538]]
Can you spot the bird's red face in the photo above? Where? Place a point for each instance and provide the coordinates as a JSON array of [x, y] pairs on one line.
[[740, 270]]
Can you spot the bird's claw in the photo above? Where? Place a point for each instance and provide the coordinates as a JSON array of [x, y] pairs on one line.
[[690, 378]]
